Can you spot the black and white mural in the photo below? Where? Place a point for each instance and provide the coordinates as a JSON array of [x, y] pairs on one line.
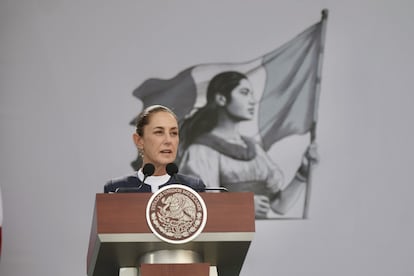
[[234, 116]]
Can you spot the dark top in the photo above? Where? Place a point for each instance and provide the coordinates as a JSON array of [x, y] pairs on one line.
[[131, 183]]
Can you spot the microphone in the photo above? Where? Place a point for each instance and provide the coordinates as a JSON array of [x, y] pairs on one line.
[[172, 170], [148, 170]]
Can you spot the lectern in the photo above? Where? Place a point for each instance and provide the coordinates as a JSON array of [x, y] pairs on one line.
[[120, 236]]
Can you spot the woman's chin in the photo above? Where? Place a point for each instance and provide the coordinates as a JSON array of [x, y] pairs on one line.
[[167, 160]]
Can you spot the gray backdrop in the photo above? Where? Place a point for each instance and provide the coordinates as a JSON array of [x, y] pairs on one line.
[[67, 71]]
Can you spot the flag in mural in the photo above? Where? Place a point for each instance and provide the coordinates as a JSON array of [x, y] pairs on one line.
[[281, 91]]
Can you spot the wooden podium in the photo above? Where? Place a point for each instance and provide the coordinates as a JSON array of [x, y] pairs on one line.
[[120, 236]]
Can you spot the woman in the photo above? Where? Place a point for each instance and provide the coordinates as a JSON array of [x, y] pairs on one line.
[[156, 139], [214, 149]]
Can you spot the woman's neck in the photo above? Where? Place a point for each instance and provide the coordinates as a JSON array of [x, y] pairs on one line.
[[229, 131], [159, 169], [226, 126]]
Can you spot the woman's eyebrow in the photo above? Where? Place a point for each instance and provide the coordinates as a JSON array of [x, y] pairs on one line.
[[162, 127]]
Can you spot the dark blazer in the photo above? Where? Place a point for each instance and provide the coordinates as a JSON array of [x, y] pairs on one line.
[[132, 183]]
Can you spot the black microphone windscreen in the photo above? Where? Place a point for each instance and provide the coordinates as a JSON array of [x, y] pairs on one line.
[[148, 169], [171, 169]]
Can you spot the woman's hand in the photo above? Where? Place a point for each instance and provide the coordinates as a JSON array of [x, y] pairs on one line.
[[311, 157], [261, 206], [311, 153]]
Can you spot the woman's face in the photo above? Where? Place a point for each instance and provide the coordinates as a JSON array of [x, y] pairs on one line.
[[242, 102], [160, 139]]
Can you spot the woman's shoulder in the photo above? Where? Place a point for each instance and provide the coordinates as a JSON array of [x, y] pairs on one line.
[[212, 142], [194, 182], [128, 180], [203, 146], [132, 177]]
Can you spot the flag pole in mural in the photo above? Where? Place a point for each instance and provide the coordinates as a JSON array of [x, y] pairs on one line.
[[286, 84], [1, 221], [315, 115]]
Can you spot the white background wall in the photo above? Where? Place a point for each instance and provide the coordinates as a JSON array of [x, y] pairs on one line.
[[67, 71]]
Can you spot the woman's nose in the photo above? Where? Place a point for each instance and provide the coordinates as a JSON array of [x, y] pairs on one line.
[[252, 99], [167, 138]]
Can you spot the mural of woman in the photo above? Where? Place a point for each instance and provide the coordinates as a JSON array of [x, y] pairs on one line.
[[214, 149]]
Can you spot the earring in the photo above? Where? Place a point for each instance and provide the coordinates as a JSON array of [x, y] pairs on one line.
[[141, 152]]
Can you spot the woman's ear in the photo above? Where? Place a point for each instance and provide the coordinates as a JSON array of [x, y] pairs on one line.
[[220, 99], [138, 141]]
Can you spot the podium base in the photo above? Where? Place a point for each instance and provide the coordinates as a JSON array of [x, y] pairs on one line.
[[178, 256], [133, 271], [128, 271]]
